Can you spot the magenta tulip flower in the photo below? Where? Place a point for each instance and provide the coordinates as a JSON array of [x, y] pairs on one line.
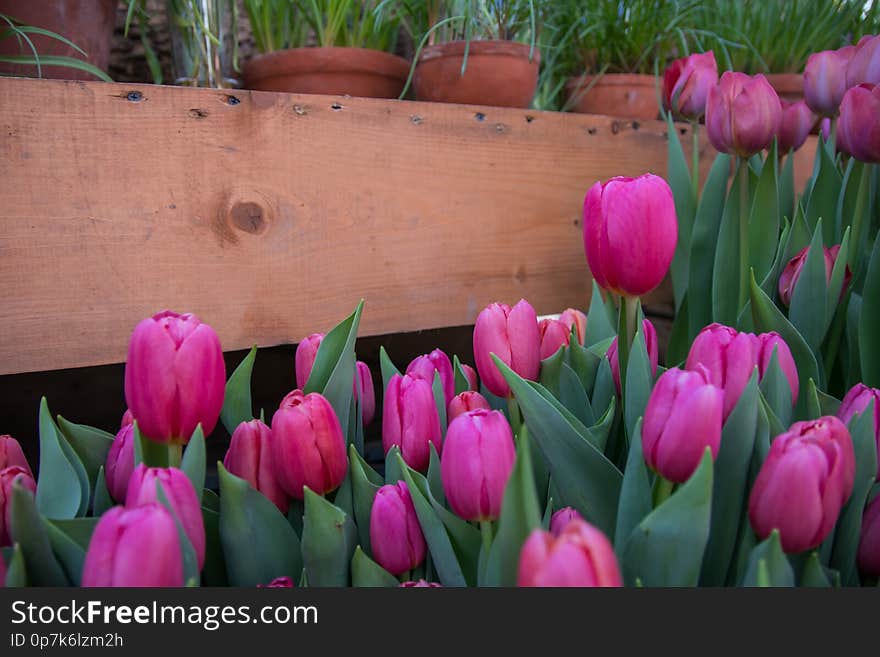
[[858, 130], [477, 460], [282, 582], [650, 334], [250, 457], [560, 519], [864, 64], [410, 420], [127, 418], [792, 272], [554, 334], [467, 401], [437, 361], [869, 542], [136, 547], [856, 401], [304, 360], [796, 124], [308, 445], [805, 480], [395, 534], [580, 555], [420, 584], [364, 391], [512, 335], [8, 476], [577, 320], [729, 357], [120, 463], [742, 114], [471, 375], [175, 377], [11, 454], [764, 347], [686, 84], [825, 81]]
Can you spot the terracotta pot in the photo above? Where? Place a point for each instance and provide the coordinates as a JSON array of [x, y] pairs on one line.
[[87, 23], [331, 71], [789, 86], [498, 73], [631, 96]]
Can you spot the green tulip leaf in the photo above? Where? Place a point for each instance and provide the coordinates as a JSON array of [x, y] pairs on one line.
[[327, 545], [726, 268], [461, 381], [63, 481], [70, 554], [551, 371], [786, 187], [869, 320], [639, 381], [434, 478], [364, 488], [103, 500], [836, 292], [814, 575], [214, 572], [393, 473], [367, 573], [16, 572], [439, 401], [600, 326], [573, 397], [388, 368], [777, 390], [679, 178], [764, 218], [28, 530], [91, 445], [822, 203], [604, 392], [237, 404], [679, 340], [808, 300], [193, 461], [585, 364], [777, 571], [635, 493]]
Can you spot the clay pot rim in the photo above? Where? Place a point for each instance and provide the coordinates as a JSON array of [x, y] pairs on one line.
[[326, 59], [482, 48], [612, 80]]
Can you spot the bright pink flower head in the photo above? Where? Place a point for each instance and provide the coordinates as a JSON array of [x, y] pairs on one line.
[[825, 128], [789, 277], [864, 64], [686, 84], [825, 81], [181, 497], [742, 114], [729, 357], [650, 334], [561, 518], [477, 460], [512, 335], [308, 445], [575, 319], [794, 128], [410, 420], [630, 231], [425, 366], [554, 334], [364, 392], [250, 457], [127, 418], [120, 463], [395, 534], [804, 482], [858, 129], [175, 377], [278, 583], [306, 352], [467, 401], [11, 454], [136, 547], [471, 375], [8, 476], [764, 347], [856, 401], [869, 542], [580, 555]]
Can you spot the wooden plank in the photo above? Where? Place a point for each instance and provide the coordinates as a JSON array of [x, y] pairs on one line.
[[271, 215]]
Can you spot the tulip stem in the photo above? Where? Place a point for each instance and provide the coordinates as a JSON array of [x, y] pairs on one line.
[[515, 415], [743, 234], [695, 162], [662, 490], [486, 532], [629, 312], [175, 455]]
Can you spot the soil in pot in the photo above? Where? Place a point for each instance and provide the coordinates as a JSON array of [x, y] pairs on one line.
[[631, 96], [87, 23], [789, 86], [498, 73], [333, 71]]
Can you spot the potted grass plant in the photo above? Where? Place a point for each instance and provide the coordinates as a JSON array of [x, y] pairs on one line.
[[332, 47]]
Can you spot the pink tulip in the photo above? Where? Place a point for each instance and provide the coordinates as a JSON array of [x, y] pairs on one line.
[[729, 357], [580, 556], [12, 454], [764, 346], [858, 129], [560, 519], [856, 401], [477, 460], [421, 584], [308, 446], [577, 320], [8, 476], [650, 334], [554, 334], [471, 375], [686, 84], [825, 81], [127, 418], [364, 392], [804, 482], [630, 231], [134, 547], [512, 335], [120, 463], [869, 542], [425, 366], [864, 65], [181, 497], [742, 114], [175, 377], [825, 128], [278, 583], [306, 352], [465, 402], [395, 534], [792, 272], [250, 457], [410, 420], [794, 128]]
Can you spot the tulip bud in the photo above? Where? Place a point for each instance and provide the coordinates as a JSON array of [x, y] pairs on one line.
[[856, 401], [630, 231], [686, 84], [577, 320], [134, 547], [554, 334], [181, 498], [804, 482], [869, 542], [729, 357], [175, 377], [825, 81], [465, 402], [364, 392], [794, 128], [764, 346], [864, 64], [278, 583], [580, 555], [512, 335], [304, 360], [650, 334], [742, 114], [471, 375], [127, 418], [395, 534], [825, 128], [308, 446], [120, 463], [425, 366], [250, 457], [410, 420], [8, 476], [858, 130], [12, 454], [421, 584], [792, 272], [477, 460], [559, 521]]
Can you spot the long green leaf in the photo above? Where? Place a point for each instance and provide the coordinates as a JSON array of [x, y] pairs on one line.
[[237, 404]]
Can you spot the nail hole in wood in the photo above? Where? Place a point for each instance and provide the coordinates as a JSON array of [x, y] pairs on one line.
[[248, 217], [336, 107], [500, 127], [197, 113], [232, 100], [683, 131], [636, 125], [591, 131], [529, 118], [416, 119], [299, 110], [479, 116], [134, 96], [615, 127]]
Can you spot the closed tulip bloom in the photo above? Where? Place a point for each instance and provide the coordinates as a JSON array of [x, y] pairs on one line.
[[308, 445], [437, 361], [283, 582], [175, 377], [794, 128], [686, 84], [554, 334], [471, 375], [729, 357], [864, 65], [120, 463], [12, 454], [825, 81], [742, 114], [764, 347], [127, 418], [858, 130], [575, 319], [410, 420], [630, 231], [856, 401], [580, 555], [791, 274], [825, 128], [181, 497], [477, 459], [512, 335], [869, 542], [682, 419], [136, 547], [650, 334], [8, 476], [250, 457], [804, 482], [395, 534], [364, 392], [469, 400], [561, 518], [304, 360]]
